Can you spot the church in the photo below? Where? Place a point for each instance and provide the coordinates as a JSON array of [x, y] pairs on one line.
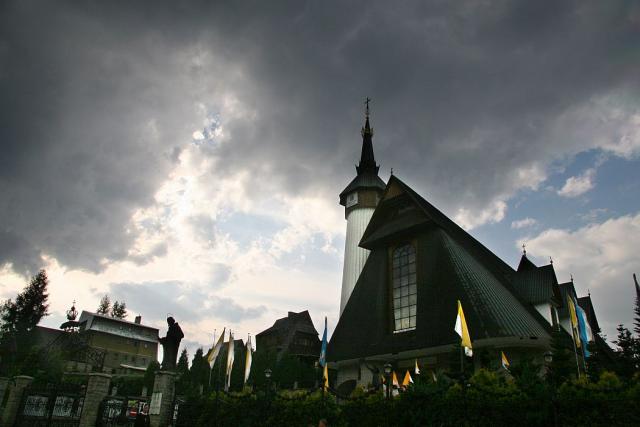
[[406, 266]]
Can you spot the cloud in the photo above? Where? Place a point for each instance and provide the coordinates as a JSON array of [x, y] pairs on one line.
[[185, 303], [578, 185], [523, 223], [94, 120], [602, 258]]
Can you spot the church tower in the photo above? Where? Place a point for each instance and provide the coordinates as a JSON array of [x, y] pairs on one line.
[[359, 199]]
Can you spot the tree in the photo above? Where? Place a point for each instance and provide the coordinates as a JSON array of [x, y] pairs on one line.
[[199, 371], [182, 369], [627, 359], [150, 375], [20, 318], [119, 310], [563, 365], [105, 306]]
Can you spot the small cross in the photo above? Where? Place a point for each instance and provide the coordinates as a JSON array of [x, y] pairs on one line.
[[550, 260], [571, 275], [524, 249], [366, 102], [391, 171]]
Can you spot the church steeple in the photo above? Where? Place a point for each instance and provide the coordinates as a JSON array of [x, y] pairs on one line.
[[367, 159]]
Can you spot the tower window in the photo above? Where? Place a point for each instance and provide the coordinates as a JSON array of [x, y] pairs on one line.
[[404, 288]]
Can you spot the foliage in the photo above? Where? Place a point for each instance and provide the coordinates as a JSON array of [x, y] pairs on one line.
[[104, 308], [19, 319], [119, 310], [183, 383], [486, 399], [150, 375], [627, 357], [130, 385]]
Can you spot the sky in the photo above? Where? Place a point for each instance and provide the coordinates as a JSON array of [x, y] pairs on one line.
[[186, 156]]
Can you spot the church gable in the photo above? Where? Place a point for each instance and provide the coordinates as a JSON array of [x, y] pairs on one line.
[[446, 272]]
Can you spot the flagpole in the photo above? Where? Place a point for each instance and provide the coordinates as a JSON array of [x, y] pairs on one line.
[[575, 351], [211, 367]]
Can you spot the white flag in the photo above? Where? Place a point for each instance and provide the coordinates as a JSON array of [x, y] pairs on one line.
[[212, 355], [247, 365], [230, 357]]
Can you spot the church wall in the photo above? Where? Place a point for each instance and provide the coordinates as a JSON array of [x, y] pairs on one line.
[[545, 311]]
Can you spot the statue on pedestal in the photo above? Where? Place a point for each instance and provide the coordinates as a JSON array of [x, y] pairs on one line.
[[170, 345]]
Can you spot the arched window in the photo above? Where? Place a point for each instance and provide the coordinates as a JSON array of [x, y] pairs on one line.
[[404, 288]]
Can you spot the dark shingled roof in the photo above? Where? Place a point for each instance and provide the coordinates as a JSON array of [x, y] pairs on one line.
[[364, 181], [566, 289], [537, 285], [297, 321], [587, 306], [451, 265], [526, 264]]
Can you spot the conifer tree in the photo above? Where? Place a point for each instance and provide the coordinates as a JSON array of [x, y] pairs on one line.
[[626, 352], [20, 318], [182, 369], [104, 307], [199, 371], [119, 310]]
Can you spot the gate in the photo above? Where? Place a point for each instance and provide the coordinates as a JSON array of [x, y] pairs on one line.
[[121, 411], [52, 405]]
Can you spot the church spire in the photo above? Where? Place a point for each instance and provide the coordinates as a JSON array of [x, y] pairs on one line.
[[367, 160]]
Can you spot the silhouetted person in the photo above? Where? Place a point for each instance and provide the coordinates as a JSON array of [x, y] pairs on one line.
[[170, 344]]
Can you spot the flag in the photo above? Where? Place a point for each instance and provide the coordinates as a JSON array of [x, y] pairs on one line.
[[461, 329], [407, 379], [325, 378], [395, 380], [323, 350], [212, 355], [505, 361], [247, 364], [433, 375], [585, 330], [416, 370], [574, 321], [230, 357]]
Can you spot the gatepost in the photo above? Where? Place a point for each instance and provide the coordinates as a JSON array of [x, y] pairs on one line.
[[4, 384], [17, 388], [97, 390], [162, 399]]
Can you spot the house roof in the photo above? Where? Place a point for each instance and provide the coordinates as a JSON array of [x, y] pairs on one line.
[[587, 306], [452, 266], [538, 284], [526, 264], [298, 321]]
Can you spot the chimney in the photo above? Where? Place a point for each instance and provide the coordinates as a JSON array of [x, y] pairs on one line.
[[138, 319]]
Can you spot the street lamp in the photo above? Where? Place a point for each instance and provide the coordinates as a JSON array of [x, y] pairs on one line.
[[387, 374], [548, 358], [267, 375]]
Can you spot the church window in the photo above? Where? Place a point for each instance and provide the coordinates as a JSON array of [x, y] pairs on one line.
[[404, 288]]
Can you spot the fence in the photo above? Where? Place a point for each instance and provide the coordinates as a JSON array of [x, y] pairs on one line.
[[121, 411], [51, 405]]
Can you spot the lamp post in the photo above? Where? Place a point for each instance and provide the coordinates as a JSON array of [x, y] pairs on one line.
[[267, 376], [387, 374]]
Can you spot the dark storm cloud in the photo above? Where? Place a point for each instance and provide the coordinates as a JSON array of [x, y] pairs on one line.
[[99, 98]]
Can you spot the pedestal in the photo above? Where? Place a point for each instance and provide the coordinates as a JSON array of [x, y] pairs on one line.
[[162, 399], [97, 390], [17, 388]]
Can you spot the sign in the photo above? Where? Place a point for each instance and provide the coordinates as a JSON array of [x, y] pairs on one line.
[[156, 400]]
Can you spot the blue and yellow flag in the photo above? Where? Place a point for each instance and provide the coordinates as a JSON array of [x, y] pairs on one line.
[[323, 350]]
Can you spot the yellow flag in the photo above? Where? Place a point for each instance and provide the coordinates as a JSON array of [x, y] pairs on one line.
[[325, 378], [505, 361], [461, 329], [416, 369], [395, 380], [574, 321], [407, 379]]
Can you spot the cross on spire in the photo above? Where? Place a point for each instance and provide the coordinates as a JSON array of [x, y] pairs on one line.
[[524, 249], [366, 103]]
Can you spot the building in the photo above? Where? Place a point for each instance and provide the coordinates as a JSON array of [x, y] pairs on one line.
[[128, 347], [293, 335], [406, 267]]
